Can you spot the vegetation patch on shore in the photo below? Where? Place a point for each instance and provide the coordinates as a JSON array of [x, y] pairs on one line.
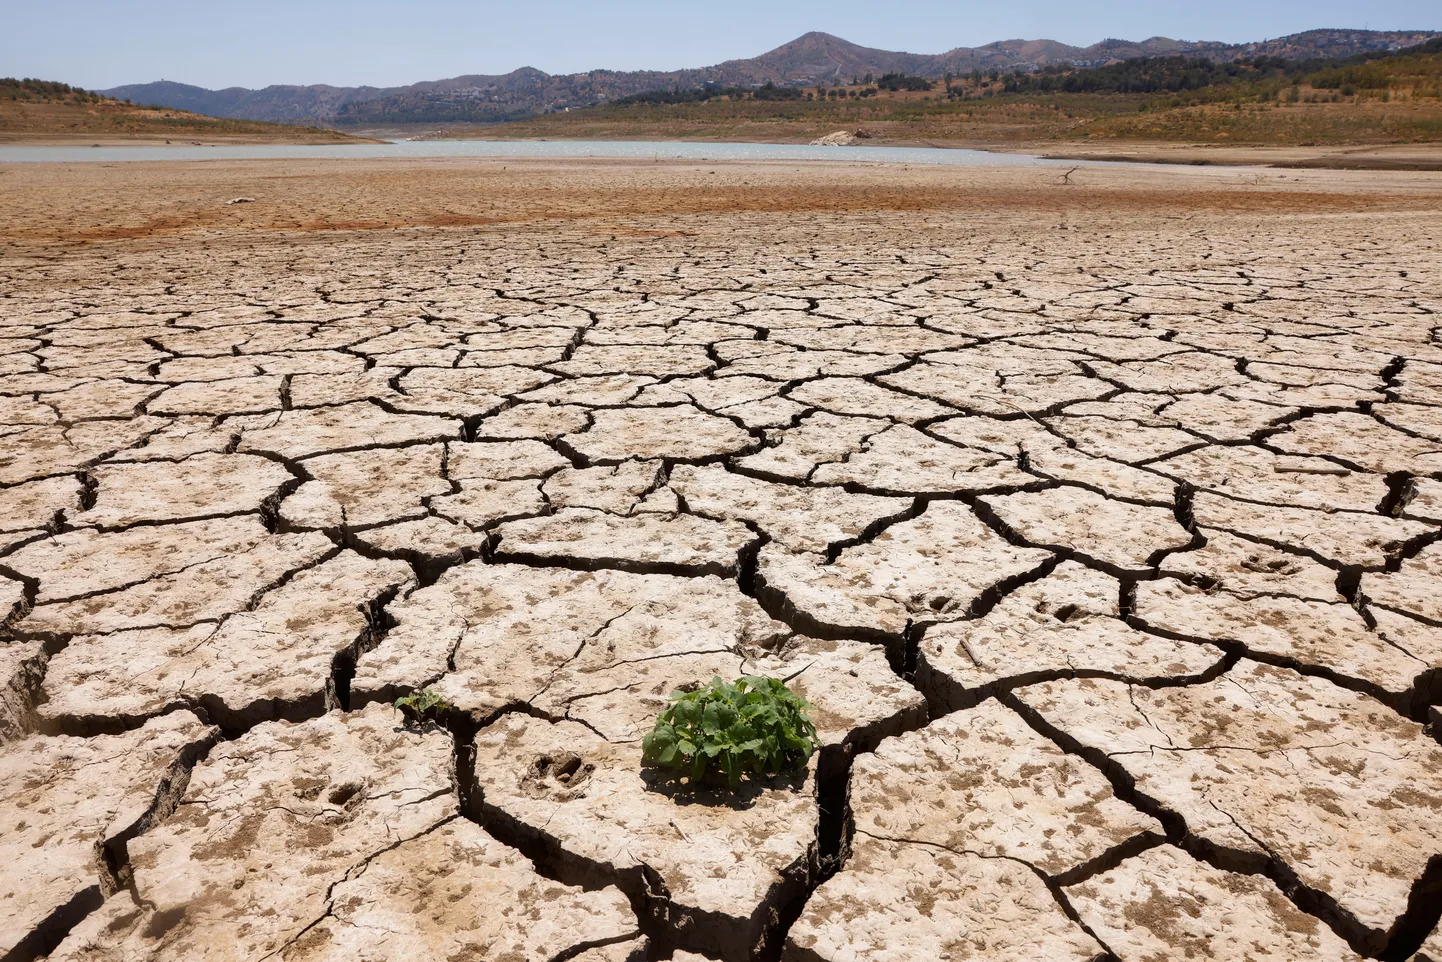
[[47, 110]]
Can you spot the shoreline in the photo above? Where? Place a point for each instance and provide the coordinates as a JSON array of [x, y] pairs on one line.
[[1385, 157], [1353, 156]]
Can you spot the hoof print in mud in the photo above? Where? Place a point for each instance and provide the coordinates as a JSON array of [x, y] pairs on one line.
[[561, 777]]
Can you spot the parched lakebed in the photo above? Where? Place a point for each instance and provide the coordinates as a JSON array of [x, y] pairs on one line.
[[1097, 516]]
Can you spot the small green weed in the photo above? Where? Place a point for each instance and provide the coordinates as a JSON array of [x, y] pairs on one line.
[[756, 726], [419, 704]]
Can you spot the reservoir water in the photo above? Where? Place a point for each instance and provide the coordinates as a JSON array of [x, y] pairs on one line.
[[646, 150]]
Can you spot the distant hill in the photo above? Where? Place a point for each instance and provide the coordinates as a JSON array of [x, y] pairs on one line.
[[814, 58], [42, 111], [278, 104], [1376, 98]]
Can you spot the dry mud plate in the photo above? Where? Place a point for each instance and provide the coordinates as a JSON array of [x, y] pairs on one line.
[[1100, 524]]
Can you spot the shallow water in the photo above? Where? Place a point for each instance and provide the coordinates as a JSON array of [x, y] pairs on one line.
[[661, 150]]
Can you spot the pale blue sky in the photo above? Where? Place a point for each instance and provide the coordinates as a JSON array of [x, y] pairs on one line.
[[218, 43]]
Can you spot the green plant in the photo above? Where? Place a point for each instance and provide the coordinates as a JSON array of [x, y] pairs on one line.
[[421, 702], [756, 726]]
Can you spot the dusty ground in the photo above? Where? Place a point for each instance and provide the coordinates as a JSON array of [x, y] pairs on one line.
[[1098, 521], [1320, 156]]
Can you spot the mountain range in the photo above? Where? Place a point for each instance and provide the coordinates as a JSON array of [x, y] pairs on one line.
[[811, 59]]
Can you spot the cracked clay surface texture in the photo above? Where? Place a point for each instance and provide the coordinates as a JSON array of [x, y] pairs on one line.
[[1100, 524]]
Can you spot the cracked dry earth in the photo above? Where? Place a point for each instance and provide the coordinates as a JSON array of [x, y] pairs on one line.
[[1108, 553]]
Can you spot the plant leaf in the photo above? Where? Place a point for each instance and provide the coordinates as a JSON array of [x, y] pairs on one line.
[[754, 727]]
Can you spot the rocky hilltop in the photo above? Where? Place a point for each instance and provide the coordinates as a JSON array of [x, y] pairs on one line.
[[814, 58]]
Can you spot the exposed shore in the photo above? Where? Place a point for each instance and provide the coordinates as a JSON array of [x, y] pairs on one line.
[[65, 202], [1401, 156]]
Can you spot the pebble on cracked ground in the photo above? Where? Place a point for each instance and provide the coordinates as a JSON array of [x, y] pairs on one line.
[[1100, 523]]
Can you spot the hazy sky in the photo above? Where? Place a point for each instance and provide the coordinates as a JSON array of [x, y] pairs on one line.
[[219, 43]]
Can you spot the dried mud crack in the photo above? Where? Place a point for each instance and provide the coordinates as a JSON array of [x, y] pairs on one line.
[[1108, 558]]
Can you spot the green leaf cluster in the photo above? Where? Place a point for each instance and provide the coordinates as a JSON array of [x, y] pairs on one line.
[[420, 702], [755, 727]]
